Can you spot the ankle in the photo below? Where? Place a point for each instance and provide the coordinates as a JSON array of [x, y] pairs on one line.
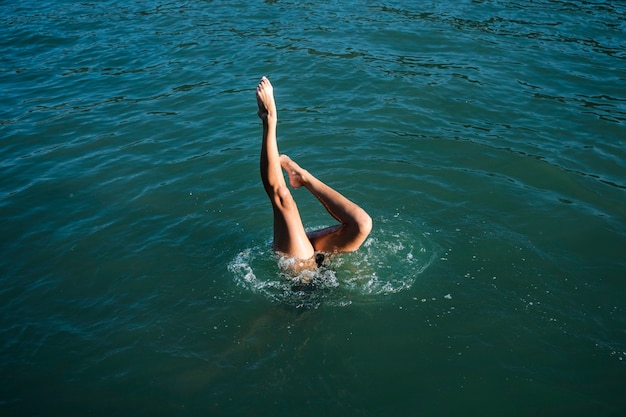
[[305, 178], [269, 122]]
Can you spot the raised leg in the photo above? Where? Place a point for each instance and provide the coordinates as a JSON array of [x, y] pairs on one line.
[[290, 237], [355, 224]]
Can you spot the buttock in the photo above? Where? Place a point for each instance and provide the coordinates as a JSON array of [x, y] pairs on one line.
[[294, 266]]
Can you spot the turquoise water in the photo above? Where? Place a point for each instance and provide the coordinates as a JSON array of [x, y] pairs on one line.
[[485, 138]]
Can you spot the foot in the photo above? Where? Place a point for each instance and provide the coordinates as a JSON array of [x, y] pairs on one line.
[[265, 100], [297, 175]]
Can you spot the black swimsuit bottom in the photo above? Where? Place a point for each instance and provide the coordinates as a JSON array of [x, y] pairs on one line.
[[319, 259]]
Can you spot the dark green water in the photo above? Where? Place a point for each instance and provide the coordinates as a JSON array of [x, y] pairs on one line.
[[485, 138]]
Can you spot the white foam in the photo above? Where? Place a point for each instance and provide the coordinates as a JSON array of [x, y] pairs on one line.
[[388, 262]]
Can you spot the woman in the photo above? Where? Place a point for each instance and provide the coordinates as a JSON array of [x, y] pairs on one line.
[[290, 238]]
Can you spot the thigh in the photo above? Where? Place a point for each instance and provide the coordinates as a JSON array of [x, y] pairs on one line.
[[290, 238], [338, 238]]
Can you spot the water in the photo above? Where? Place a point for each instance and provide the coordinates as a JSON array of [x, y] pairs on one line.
[[485, 138]]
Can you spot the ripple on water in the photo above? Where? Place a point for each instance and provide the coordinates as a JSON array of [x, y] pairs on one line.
[[389, 261]]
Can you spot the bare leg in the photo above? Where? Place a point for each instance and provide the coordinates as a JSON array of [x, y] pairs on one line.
[[290, 237], [355, 224]]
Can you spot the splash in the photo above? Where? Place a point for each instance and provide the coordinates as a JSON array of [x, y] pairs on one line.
[[389, 262]]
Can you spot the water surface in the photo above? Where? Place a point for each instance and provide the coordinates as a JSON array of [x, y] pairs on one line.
[[485, 138]]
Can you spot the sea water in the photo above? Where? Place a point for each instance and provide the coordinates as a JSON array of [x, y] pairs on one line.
[[484, 138]]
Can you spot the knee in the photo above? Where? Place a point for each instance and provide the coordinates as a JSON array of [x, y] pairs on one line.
[[282, 197], [363, 223]]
